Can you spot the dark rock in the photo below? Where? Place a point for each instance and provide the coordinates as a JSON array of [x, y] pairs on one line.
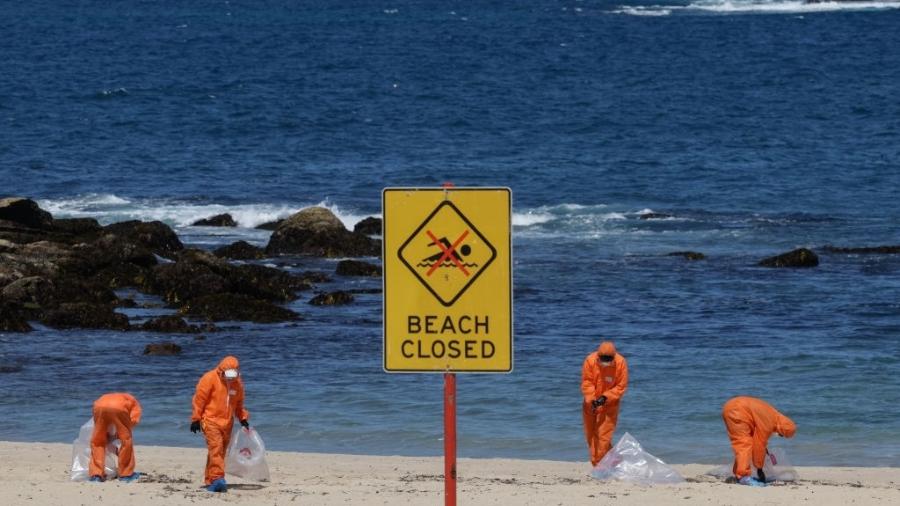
[[78, 227], [86, 316], [269, 225], [219, 220], [12, 319], [357, 268], [8, 246], [162, 349], [30, 290], [315, 277], [25, 212], [317, 231], [801, 257], [874, 250], [231, 307], [368, 226], [10, 368], [180, 282], [127, 302], [240, 250], [689, 255], [155, 236], [332, 299], [654, 216], [176, 325]]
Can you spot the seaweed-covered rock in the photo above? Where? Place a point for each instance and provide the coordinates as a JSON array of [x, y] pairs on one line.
[[240, 250], [688, 255], [86, 316], [219, 220], [162, 349], [12, 319], [175, 325], [317, 231], [368, 226], [358, 268], [332, 299], [798, 258], [230, 307], [25, 212], [873, 250], [155, 236], [81, 228], [33, 290]]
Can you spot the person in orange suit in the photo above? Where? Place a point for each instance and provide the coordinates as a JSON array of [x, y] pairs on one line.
[[604, 379], [219, 398], [750, 423], [121, 411]]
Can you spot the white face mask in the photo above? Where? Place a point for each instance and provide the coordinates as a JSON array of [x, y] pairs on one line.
[[231, 374], [606, 364]]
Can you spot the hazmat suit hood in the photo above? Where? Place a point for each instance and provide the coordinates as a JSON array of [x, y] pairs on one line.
[[606, 348], [785, 426], [228, 362]]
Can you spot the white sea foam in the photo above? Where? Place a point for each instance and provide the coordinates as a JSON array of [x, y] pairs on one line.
[[108, 208], [754, 7]]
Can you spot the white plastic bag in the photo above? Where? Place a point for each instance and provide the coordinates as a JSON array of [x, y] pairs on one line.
[[246, 456], [777, 467], [627, 461], [81, 453]]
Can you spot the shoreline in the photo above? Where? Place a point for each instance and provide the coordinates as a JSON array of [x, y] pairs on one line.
[[38, 473]]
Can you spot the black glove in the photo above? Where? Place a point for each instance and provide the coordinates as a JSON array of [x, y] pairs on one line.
[[598, 402], [245, 424], [195, 426], [761, 475]]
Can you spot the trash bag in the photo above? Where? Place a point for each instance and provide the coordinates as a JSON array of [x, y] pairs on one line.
[[81, 453], [246, 456], [627, 461], [777, 467]]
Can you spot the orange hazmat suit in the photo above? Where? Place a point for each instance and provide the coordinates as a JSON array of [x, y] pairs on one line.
[[609, 381], [750, 423], [122, 411], [216, 402]]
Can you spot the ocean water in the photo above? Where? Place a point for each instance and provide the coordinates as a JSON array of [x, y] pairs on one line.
[[760, 126]]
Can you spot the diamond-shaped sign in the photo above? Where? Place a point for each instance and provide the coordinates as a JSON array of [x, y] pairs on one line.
[[447, 253]]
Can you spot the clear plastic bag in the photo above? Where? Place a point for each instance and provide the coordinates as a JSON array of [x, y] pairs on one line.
[[246, 456], [81, 453], [627, 461], [777, 467]]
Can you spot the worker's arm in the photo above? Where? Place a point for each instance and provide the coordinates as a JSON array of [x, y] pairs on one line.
[[587, 380]]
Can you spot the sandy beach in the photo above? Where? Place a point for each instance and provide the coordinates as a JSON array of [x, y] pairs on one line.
[[38, 473]]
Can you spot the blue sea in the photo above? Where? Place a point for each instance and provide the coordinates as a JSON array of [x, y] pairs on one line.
[[759, 126]]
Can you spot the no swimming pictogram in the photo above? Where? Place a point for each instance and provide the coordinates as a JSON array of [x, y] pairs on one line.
[[447, 269]]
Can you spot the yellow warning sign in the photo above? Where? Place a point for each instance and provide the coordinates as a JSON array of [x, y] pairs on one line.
[[447, 280]]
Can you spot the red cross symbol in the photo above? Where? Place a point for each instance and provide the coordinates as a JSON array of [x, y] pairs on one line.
[[448, 253]]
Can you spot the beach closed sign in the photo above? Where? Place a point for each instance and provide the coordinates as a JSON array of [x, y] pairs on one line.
[[447, 280]]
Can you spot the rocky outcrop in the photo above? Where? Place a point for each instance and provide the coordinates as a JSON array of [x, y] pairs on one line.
[[798, 258], [654, 216], [368, 226], [269, 225], [316, 231], [25, 212], [332, 299], [12, 318], [240, 250], [357, 268], [873, 250], [219, 220], [155, 236], [173, 324], [162, 349], [231, 307], [688, 255], [86, 316]]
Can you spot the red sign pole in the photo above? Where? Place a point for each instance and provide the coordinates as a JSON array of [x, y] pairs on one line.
[[449, 439]]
